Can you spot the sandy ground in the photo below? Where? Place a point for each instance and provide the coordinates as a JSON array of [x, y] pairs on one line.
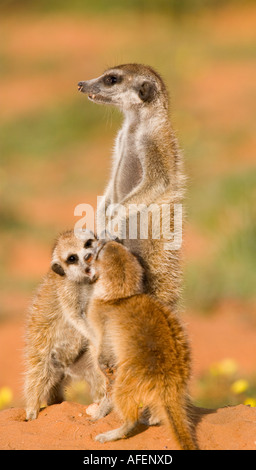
[[66, 426]]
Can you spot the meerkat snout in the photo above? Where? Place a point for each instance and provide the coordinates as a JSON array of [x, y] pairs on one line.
[[91, 273]]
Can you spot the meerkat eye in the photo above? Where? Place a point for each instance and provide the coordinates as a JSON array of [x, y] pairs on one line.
[[72, 259], [88, 243], [111, 80]]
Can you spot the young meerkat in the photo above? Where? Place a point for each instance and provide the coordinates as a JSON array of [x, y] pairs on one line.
[[57, 346], [147, 169], [149, 346]]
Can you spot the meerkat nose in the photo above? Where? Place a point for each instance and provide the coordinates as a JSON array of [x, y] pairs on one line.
[[80, 86]]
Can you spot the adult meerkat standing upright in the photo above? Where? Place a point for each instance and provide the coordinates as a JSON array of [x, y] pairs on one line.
[[147, 166], [57, 346], [150, 348]]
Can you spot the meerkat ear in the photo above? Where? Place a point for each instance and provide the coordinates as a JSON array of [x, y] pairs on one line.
[[147, 91], [58, 269]]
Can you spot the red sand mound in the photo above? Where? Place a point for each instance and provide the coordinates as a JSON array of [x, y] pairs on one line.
[[66, 426]]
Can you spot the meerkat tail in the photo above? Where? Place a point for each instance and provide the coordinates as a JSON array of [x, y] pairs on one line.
[[179, 421]]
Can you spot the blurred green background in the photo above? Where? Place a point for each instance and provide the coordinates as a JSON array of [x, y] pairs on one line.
[[55, 146]]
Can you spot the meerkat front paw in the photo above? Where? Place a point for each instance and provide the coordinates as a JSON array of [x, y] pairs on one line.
[[92, 410], [99, 411], [31, 414]]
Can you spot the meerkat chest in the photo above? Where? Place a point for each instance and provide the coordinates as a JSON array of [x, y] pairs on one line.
[[128, 172], [84, 298]]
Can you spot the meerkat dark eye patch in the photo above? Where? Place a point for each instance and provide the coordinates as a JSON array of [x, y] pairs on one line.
[[110, 80], [72, 259], [58, 269], [88, 243], [147, 91]]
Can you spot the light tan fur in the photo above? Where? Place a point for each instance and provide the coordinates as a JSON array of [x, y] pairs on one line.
[[57, 346], [145, 343], [147, 166]]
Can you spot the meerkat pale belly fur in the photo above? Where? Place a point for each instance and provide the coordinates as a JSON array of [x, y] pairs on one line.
[[147, 166], [146, 340], [57, 346]]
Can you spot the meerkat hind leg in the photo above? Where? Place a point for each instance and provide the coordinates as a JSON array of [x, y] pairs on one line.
[[56, 394], [118, 433], [125, 403], [150, 417]]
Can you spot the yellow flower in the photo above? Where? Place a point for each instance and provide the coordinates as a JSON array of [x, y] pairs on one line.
[[224, 367], [6, 396], [239, 386], [250, 401]]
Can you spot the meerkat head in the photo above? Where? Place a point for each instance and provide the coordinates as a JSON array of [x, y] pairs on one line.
[[69, 257], [129, 86], [117, 271]]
